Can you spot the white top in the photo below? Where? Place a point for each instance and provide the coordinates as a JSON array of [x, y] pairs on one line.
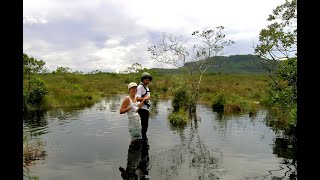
[[134, 123], [141, 91], [134, 111]]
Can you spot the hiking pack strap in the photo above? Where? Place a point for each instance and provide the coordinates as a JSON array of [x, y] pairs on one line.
[[144, 89]]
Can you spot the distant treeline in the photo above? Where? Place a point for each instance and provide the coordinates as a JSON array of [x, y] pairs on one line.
[[234, 64]]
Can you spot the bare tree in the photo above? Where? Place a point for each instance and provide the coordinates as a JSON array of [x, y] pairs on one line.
[[194, 62], [134, 68]]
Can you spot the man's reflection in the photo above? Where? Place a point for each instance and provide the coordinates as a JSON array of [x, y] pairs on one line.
[[137, 162]]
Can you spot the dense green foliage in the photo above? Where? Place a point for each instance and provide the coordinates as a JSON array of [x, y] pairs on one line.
[[181, 99], [278, 42], [34, 89]]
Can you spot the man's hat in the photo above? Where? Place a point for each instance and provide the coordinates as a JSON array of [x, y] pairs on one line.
[[146, 75]]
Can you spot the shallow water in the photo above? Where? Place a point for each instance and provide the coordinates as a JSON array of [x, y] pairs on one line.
[[92, 143]]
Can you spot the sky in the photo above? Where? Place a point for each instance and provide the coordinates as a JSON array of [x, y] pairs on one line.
[[111, 35]]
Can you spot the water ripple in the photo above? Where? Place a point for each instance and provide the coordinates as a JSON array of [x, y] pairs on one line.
[[95, 141]]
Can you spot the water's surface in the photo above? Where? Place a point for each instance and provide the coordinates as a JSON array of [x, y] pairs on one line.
[[92, 143]]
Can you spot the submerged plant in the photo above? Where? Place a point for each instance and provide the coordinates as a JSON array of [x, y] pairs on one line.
[[32, 151]]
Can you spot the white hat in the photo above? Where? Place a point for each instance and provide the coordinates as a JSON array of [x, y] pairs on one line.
[[132, 84]]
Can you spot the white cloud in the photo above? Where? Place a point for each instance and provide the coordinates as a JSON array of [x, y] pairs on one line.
[[34, 20], [113, 42], [113, 34]]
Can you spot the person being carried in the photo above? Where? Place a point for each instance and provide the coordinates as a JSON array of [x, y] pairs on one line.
[[130, 106], [143, 95]]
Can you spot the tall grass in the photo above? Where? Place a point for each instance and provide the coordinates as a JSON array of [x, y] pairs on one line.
[[228, 102], [250, 87], [72, 89]]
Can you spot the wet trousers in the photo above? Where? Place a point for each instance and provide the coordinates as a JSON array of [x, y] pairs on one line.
[[144, 116]]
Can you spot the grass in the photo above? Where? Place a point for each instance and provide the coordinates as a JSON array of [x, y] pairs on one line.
[[229, 102], [80, 89], [250, 87], [86, 89]]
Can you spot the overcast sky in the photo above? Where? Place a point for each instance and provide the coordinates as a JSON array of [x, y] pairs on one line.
[[111, 35]]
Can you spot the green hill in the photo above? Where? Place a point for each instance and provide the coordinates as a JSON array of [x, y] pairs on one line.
[[234, 64]]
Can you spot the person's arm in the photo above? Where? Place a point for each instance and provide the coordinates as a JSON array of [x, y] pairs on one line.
[[143, 100], [124, 106], [139, 99]]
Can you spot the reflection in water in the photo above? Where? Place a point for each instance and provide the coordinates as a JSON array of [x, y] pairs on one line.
[[284, 146], [113, 102], [204, 159], [283, 149], [154, 109], [64, 114], [137, 162], [286, 149], [34, 119], [212, 146], [220, 116], [192, 158], [207, 162], [35, 122], [179, 128]]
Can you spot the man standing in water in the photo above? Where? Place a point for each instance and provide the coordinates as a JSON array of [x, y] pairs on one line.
[[143, 92]]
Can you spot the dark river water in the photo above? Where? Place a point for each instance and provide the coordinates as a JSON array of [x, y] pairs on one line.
[[92, 143]]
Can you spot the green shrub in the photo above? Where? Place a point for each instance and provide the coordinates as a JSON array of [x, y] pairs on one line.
[[180, 99], [179, 118], [219, 102], [33, 97], [228, 102]]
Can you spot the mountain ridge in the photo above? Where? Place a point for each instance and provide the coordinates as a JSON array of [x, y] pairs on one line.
[[233, 64]]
